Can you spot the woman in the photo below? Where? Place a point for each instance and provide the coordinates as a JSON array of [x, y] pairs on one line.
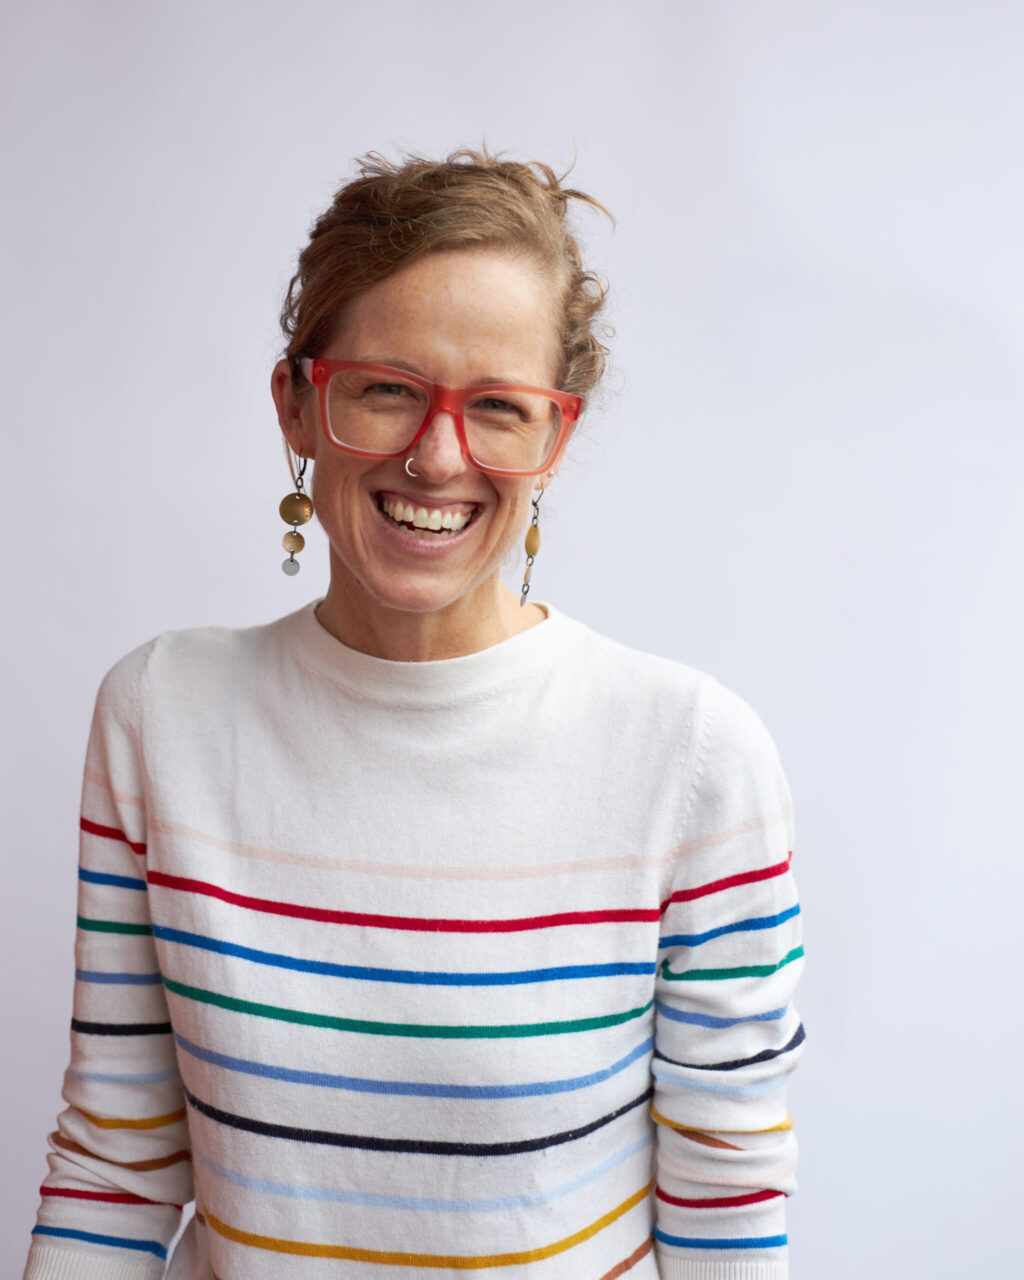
[[424, 929]]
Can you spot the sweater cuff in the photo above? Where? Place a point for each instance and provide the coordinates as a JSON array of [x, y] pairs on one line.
[[697, 1269], [51, 1262]]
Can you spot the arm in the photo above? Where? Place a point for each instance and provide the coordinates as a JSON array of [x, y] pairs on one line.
[[119, 1162], [727, 1033]]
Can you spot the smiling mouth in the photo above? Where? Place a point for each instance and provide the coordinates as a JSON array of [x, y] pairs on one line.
[[427, 522]]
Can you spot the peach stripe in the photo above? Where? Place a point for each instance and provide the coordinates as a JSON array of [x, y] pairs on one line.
[[161, 1162], [627, 1264], [125, 797], [412, 872]]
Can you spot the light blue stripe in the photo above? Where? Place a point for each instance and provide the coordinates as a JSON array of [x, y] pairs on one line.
[[413, 976], [101, 877], [740, 926], [377, 1201], [109, 1077], [701, 1084], [119, 979], [703, 1242], [707, 1020], [143, 1246], [409, 1088]]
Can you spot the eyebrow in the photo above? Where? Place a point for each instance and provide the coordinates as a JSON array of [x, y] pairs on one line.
[[395, 363]]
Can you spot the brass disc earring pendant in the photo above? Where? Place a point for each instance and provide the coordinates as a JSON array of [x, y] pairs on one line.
[[296, 508]]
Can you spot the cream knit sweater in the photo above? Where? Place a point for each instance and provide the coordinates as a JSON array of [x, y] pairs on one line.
[[403, 969]]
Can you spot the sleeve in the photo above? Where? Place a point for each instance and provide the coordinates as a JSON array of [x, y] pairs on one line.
[[120, 1164], [727, 1034]]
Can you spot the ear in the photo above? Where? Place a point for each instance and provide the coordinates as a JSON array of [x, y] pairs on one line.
[[296, 415]]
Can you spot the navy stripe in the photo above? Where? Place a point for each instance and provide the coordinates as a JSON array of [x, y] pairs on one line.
[[119, 979], [415, 1146], [120, 1028], [144, 1246], [799, 1036], [102, 877], [417, 977]]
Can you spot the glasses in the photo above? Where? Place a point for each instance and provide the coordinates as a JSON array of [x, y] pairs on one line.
[[380, 412]]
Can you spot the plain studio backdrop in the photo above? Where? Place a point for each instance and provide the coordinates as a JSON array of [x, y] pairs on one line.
[[804, 475]]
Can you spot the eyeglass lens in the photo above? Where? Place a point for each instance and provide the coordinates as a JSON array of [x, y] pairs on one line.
[[509, 429]]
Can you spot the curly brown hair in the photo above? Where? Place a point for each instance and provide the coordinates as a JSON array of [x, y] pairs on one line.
[[394, 214]]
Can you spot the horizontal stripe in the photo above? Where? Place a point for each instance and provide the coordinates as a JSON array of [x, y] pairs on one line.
[[663, 1120], [111, 833], [415, 1146], [720, 1202], [101, 877], [120, 1028], [119, 979], [417, 924], [112, 926], [150, 1122], [410, 1088], [475, 872], [90, 1237], [412, 976], [738, 926], [627, 1264], [425, 1030], [457, 1262], [423, 1204], [707, 1242], [118, 1077], [797, 1038], [107, 1197], [738, 971], [701, 1084], [730, 882], [158, 1162], [708, 1020]]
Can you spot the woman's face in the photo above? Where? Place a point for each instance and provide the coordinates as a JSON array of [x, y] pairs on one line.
[[456, 318]]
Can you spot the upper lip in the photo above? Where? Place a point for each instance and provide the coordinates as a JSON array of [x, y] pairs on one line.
[[429, 502]]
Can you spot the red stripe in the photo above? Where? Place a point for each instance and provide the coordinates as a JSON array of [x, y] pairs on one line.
[[730, 882], [108, 1197], [721, 1202], [112, 833], [416, 923]]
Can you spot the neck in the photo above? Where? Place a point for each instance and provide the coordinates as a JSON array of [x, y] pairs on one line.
[[481, 618]]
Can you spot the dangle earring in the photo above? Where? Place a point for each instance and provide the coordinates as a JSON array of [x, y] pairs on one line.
[[296, 508], [532, 543]]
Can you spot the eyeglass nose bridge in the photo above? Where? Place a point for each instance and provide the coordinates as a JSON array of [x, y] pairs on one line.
[[448, 400]]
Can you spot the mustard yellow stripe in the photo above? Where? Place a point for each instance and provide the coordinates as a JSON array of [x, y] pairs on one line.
[[692, 1128], [152, 1122], [455, 1261]]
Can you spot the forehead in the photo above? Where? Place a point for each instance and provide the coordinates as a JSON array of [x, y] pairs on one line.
[[452, 313]]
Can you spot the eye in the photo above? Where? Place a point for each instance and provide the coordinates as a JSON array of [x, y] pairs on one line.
[[388, 389]]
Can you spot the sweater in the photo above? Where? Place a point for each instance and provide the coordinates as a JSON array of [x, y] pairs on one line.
[[399, 969]]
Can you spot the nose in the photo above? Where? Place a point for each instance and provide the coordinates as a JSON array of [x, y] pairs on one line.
[[438, 453]]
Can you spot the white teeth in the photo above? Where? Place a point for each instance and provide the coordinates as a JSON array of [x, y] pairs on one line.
[[435, 519]]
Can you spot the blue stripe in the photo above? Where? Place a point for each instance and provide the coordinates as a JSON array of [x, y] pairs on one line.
[[740, 926], [415, 976], [703, 1242], [120, 979], [701, 1084], [424, 1204], [101, 877], [112, 1077], [409, 1088], [144, 1246], [706, 1019]]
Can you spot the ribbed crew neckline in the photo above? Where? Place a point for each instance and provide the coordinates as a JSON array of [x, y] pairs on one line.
[[443, 682]]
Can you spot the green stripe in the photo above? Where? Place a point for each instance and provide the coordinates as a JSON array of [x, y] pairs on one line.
[[112, 926], [403, 1028], [742, 971]]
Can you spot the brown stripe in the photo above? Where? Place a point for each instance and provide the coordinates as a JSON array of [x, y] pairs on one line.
[[176, 1157], [627, 1264], [153, 1122]]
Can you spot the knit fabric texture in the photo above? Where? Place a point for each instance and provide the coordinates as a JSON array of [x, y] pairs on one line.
[[482, 964]]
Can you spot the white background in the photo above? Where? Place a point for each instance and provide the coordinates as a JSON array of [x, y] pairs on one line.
[[806, 477]]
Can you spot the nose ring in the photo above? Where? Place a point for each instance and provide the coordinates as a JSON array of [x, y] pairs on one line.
[[409, 471]]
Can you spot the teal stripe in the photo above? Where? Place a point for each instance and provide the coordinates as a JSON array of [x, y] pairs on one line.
[[500, 1031], [741, 971], [113, 926]]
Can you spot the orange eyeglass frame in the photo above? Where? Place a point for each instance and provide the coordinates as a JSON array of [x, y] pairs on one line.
[[440, 400]]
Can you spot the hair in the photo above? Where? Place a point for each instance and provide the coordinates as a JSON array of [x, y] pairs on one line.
[[394, 214]]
